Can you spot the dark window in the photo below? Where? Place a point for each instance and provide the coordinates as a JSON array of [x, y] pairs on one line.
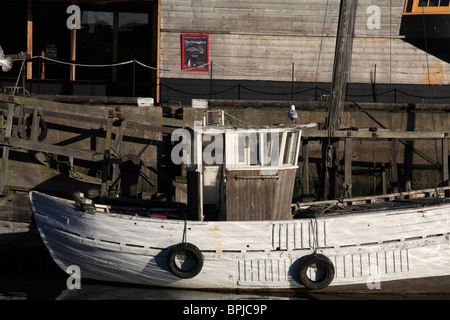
[[433, 3], [51, 38], [94, 45], [409, 5], [428, 3], [134, 43], [13, 32]]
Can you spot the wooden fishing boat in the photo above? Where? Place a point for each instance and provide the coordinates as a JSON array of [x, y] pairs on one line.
[[240, 230]]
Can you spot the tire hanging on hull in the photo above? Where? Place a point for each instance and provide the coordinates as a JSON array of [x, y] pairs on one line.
[[189, 251], [324, 264]]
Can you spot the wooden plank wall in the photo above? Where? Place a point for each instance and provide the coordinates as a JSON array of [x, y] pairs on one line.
[[261, 40], [254, 199]]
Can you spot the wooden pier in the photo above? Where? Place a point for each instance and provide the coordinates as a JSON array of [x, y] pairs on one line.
[[115, 122], [109, 118], [396, 137]]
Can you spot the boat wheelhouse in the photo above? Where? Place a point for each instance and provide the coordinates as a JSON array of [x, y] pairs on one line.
[[243, 173]]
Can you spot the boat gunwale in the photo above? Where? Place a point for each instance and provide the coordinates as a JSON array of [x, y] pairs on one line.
[[338, 214]]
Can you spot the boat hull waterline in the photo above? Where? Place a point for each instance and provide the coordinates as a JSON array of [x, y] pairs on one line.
[[363, 248]]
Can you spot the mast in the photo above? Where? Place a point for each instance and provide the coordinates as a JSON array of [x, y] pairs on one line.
[[341, 71]]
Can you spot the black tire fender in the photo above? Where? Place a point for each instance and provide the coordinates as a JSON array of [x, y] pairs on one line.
[[42, 126], [321, 262], [187, 249]]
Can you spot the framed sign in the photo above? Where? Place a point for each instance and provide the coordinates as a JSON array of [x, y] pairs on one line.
[[195, 52]]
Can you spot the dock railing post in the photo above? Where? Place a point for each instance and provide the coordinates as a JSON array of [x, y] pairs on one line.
[[104, 189], [35, 125], [5, 154]]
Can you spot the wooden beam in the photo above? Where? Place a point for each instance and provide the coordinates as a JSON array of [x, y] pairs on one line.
[[5, 153], [87, 110], [348, 150], [107, 155], [380, 134], [305, 179], [342, 57], [35, 125], [50, 148], [394, 172], [117, 147], [29, 38], [73, 52], [73, 49]]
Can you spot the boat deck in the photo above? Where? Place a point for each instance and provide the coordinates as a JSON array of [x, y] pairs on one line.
[[339, 209]]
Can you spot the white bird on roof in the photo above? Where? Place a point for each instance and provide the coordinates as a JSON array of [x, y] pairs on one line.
[[292, 114], [5, 62]]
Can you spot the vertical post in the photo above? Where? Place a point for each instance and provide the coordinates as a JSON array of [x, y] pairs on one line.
[[73, 52], [35, 125], [305, 179], [383, 178], [42, 63], [394, 172], [107, 155], [19, 130], [211, 80], [348, 150], [5, 154], [117, 146], [341, 68], [198, 162], [445, 170], [342, 55], [29, 38]]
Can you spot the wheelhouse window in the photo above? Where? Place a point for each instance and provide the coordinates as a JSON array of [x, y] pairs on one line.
[[434, 3], [289, 148], [248, 149], [264, 149]]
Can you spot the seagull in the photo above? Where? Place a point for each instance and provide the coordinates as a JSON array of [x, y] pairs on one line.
[[5, 62], [292, 114]]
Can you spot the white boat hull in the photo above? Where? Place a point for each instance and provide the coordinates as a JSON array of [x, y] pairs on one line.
[[364, 248]]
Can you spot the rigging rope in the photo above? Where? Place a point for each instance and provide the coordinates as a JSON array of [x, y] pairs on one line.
[[321, 42]]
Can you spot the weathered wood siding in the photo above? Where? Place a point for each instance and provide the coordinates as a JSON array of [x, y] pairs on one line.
[[261, 40], [259, 199]]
